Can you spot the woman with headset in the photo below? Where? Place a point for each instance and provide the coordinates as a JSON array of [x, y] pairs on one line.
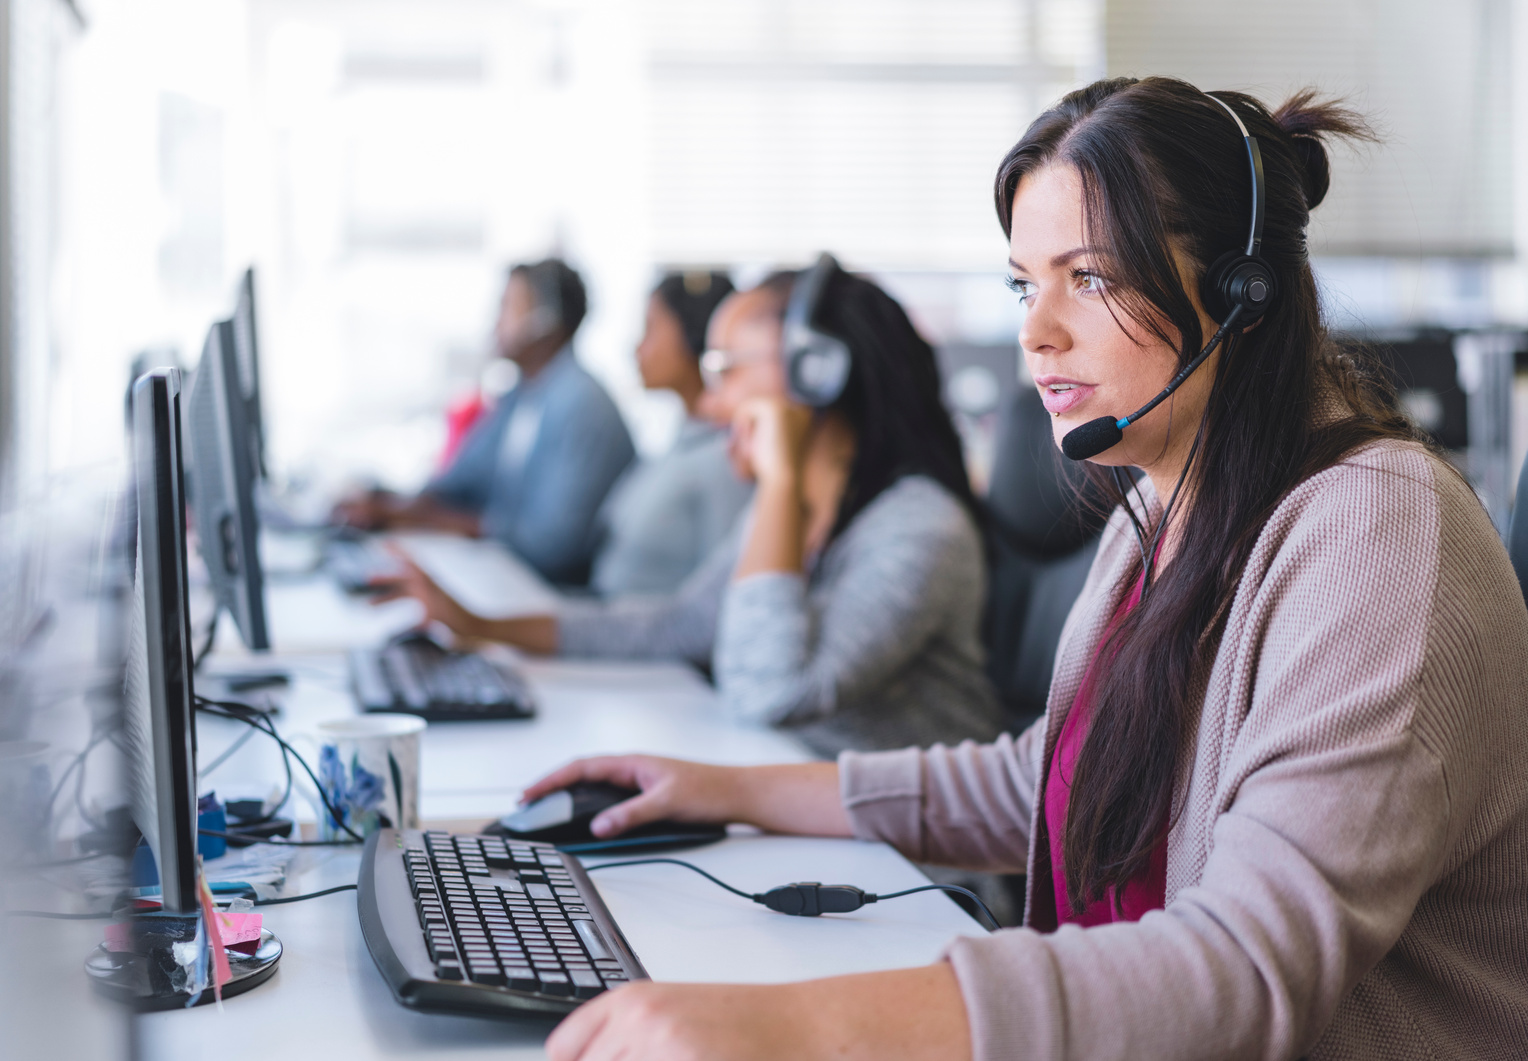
[[1277, 806], [847, 606]]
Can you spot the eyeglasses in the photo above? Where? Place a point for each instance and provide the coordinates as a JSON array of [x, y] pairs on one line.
[[717, 363]]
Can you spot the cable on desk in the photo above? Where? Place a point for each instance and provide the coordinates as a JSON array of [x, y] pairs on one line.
[[108, 916], [809, 898], [261, 723], [277, 841], [309, 895], [241, 712], [226, 754], [676, 862], [201, 654]]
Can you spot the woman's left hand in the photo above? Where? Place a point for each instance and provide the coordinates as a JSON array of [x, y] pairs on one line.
[[905, 1015], [769, 437], [439, 606]]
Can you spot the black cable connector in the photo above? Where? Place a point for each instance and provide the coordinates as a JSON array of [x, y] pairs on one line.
[[809, 898]]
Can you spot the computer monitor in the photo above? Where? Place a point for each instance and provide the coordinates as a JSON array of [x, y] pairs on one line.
[[223, 477], [247, 347], [157, 717]]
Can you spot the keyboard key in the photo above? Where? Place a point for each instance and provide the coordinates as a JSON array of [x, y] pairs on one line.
[[521, 977], [539, 891], [448, 970], [486, 974], [592, 940], [554, 983], [586, 983]]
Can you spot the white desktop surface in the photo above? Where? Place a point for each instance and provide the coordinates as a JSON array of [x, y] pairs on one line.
[[327, 999], [306, 611]]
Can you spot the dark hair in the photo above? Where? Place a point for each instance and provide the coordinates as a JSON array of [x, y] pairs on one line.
[[1163, 168], [692, 297], [893, 398], [559, 288]]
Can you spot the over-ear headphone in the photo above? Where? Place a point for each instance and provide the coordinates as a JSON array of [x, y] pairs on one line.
[[1242, 278], [1238, 288], [816, 364]]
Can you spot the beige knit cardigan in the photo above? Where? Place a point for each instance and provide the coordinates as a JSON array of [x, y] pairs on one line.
[[1347, 875]]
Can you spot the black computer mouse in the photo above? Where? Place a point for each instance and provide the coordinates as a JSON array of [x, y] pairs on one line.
[[418, 635], [563, 818]]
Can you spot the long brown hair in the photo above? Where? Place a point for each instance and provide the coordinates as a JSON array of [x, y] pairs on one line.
[[1163, 169]]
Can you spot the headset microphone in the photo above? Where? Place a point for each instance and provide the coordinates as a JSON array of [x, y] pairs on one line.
[[1238, 286]]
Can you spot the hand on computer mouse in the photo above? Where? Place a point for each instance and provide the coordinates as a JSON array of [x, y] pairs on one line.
[[671, 790], [439, 606]]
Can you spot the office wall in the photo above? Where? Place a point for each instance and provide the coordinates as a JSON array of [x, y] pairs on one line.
[[1436, 79]]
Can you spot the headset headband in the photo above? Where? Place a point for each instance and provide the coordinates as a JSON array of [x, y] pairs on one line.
[[1255, 160]]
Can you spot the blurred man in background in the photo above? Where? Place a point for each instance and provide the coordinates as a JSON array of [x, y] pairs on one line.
[[533, 472]]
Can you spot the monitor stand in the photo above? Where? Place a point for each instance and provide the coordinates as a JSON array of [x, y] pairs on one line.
[[142, 980]]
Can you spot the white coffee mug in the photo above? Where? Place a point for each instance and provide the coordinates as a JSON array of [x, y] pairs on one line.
[[369, 769]]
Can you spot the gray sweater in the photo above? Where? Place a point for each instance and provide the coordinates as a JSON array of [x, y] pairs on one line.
[[877, 647], [665, 516]]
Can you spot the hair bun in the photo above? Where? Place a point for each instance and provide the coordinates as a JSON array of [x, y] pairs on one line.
[[1307, 122]]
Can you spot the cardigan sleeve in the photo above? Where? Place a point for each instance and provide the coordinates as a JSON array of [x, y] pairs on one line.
[[969, 806]]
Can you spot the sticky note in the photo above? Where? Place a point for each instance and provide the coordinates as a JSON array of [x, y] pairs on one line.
[[238, 928]]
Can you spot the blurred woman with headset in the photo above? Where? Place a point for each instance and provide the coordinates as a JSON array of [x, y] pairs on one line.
[[665, 515], [1277, 806], [847, 607]]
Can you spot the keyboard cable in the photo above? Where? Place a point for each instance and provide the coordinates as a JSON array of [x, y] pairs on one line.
[[809, 898]]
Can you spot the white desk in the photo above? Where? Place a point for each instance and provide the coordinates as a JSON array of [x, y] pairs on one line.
[[327, 999]]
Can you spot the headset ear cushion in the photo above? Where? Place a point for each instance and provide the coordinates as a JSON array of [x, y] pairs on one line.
[[1238, 279], [817, 370]]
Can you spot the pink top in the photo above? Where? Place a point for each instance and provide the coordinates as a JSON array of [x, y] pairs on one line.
[[1146, 892]]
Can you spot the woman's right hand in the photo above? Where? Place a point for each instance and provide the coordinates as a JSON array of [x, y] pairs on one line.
[[671, 789], [799, 798]]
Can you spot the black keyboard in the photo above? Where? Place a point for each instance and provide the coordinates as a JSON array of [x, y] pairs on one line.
[[416, 676], [486, 926]]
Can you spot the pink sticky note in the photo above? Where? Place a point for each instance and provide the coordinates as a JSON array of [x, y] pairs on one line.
[[119, 937], [238, 928], [221, 973]]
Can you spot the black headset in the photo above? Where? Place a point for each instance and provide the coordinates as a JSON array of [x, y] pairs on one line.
[[1238, 287], [816, 364]]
